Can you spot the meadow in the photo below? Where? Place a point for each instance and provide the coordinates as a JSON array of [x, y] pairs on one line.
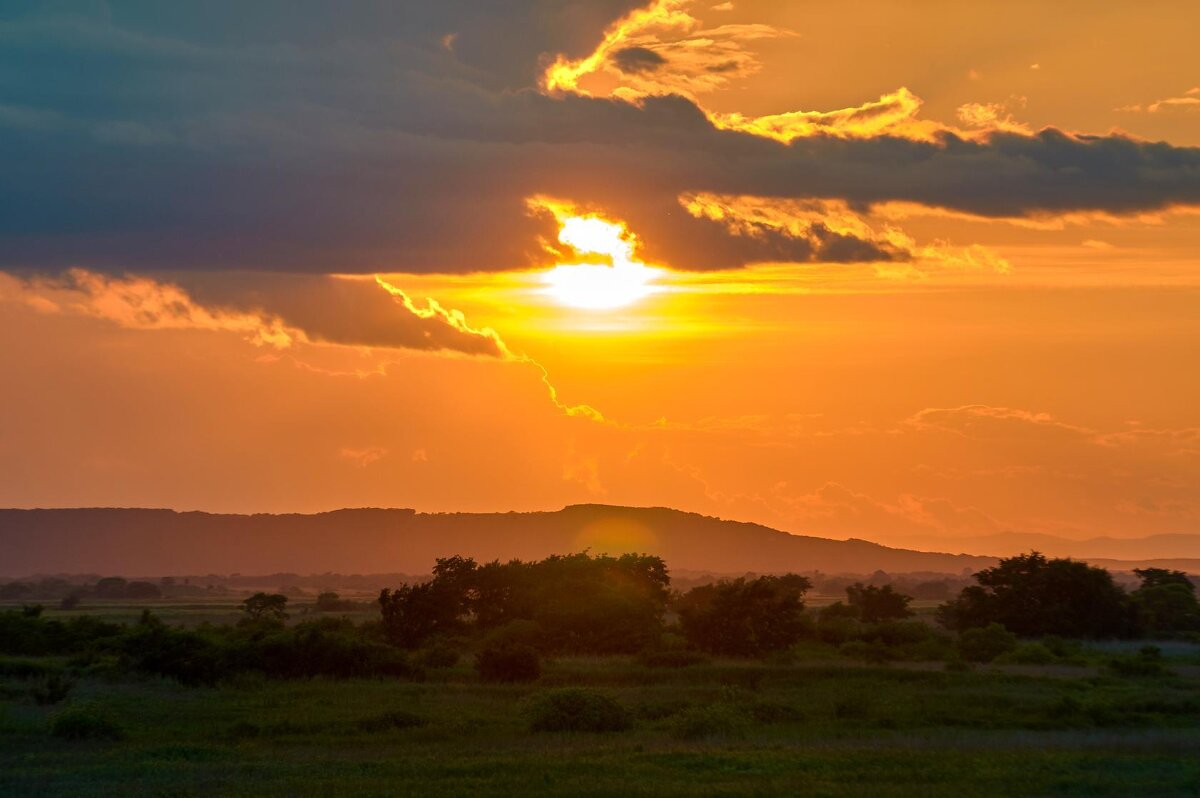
[[807, 722]]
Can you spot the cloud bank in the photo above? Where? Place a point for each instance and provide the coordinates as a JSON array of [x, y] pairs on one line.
[[141, 135]]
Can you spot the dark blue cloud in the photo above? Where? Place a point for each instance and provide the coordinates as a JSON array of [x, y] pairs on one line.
[[312, 136]]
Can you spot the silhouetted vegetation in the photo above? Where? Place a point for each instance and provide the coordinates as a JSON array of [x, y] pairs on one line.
[[1033, 596], [577, 709], [579, 603], [508, 662], [745, 617]]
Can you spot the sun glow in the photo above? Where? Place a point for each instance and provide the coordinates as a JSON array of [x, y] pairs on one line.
[[609, 275]]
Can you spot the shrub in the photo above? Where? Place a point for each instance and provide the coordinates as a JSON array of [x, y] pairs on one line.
[[714, 720], [1028, 654], [671, 658], [1147, 662], [577, 709], [775, 712], [851, 708], [875, 653], [986, 643], [23, 669], [438, 655], [508, 663], [86, 723], [394, 719], [745, 617], [53, 690]]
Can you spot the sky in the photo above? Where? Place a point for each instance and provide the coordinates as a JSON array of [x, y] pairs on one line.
[[896, 271]]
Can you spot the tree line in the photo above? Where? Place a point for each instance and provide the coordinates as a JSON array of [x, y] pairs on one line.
[[512, 615]]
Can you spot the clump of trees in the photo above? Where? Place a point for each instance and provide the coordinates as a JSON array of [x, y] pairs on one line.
[[577, 603], [1032, 596], [745, 617]]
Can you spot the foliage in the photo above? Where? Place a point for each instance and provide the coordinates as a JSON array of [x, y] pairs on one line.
[[711, 721], [1033, 596], [1166, 601], [54, 689], [670, 658], [392, 719], [1027, 654], [745, 617], [876, 604], [1147, 662], [438, 655], [508, 663], [581, 603], [86, 722], [269, 607], [577, 709], [984, 644], [332, 602]]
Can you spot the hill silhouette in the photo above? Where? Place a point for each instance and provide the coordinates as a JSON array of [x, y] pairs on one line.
[[146, 541], [371, 540]]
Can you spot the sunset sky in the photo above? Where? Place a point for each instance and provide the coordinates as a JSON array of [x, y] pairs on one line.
[[897, 271]]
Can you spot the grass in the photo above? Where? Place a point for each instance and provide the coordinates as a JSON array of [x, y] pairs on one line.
[[809, 728], [813, 723]]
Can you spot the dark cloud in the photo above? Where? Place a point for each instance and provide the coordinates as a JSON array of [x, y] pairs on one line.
[[307, 137], [637, 59]]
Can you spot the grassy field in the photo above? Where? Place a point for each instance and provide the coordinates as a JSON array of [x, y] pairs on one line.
[[812, 727], [814, 723]]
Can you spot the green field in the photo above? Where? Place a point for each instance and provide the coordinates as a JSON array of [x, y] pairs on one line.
[[818, 725]]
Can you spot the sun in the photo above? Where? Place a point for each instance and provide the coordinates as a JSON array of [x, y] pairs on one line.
[[617, 280]]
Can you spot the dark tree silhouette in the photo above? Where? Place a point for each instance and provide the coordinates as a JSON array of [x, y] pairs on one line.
[[1033, 596], [1166, 601], [579, 603], [745, 617], [266, 607], [876, 604]]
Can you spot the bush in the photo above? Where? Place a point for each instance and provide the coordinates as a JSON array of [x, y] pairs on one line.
[[438, 655], [53, 690], [86, 723], [577, 709], [1147, 662], [394, 719], [986, 643], [1028, 654], [875, 653], [671, 658], [714, 720], [508, 663]]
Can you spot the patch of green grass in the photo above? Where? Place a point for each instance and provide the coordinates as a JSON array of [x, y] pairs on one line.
[[721, 728]]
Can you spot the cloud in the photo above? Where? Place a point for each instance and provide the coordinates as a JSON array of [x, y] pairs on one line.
[[829, 231], [286, 311], [637, 59], [141, 303], [1189, 101], [357, 143]]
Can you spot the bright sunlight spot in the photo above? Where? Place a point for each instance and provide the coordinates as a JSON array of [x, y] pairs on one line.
[[598, 286]]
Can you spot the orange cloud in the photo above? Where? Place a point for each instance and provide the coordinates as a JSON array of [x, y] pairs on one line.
[[146, 304], [831, 231]]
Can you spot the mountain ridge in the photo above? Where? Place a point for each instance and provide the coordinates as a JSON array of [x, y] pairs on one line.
[[374, 539]]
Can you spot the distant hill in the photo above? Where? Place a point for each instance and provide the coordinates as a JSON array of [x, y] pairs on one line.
[[366, 541], [1175, 547], [137, 541]]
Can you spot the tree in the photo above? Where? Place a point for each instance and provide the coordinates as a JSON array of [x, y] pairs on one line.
[[1166, 601], [266, 607], [745, 617], [875, 604], [578, 603], [1033, 596], [111, 587], [142, 590]]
